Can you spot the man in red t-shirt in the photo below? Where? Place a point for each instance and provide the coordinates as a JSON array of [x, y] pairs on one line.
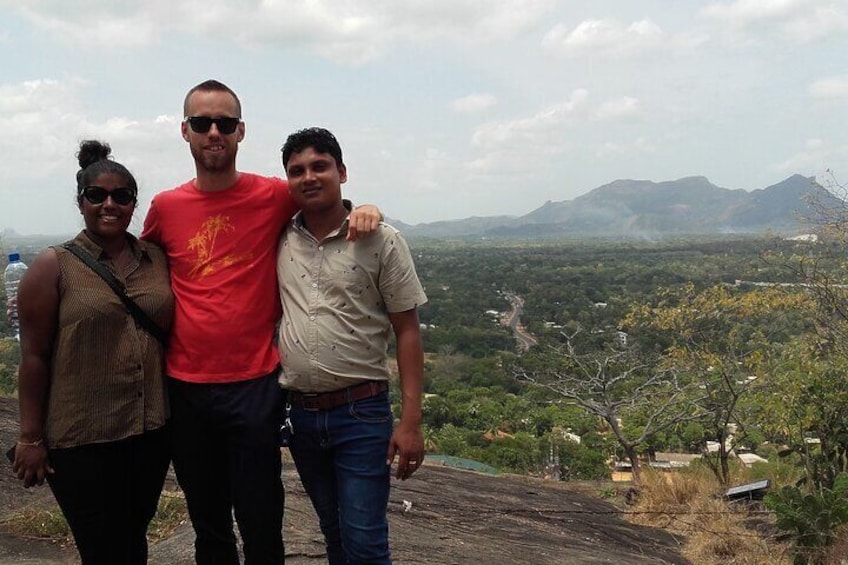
[[220, 232]]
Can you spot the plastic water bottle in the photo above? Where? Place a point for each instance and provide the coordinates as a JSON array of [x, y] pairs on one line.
[[11, 277]]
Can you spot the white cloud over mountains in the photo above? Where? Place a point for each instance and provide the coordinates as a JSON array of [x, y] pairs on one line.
[[492, 106]]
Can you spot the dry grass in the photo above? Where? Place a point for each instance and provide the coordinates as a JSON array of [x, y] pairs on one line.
[[172, 512], [48, 522], [44, 523], [689, 503]]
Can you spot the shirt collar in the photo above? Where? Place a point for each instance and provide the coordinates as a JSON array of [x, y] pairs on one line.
[[86, 243], [297, 223]]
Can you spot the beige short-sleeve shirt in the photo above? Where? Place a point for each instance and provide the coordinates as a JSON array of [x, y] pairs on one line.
[[336, 297]]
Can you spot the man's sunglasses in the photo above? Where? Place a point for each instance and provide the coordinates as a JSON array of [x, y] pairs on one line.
[[202, 124], [98, 195]]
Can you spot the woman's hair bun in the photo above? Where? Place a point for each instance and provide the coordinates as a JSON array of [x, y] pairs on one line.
[[92, 151]]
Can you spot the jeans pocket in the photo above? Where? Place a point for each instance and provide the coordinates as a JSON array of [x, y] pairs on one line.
[[374, 410]]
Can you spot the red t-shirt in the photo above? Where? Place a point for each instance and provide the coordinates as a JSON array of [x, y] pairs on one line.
[[222, 249]]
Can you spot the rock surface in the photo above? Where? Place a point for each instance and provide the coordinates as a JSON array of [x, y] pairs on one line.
[[441, 516]]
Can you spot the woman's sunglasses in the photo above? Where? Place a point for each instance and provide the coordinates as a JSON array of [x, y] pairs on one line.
[[98, 195], [202, 124]]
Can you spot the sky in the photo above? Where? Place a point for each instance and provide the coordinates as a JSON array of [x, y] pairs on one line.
[[445, 109]]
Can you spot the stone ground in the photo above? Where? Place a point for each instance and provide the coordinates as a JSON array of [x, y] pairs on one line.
[[456, 518]]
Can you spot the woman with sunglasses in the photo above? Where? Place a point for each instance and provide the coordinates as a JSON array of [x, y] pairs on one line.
[[91, 379]]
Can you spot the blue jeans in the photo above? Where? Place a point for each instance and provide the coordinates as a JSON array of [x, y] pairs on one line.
[[340, 455]]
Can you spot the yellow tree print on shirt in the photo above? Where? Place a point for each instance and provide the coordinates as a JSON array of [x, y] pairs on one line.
[[203, 243]]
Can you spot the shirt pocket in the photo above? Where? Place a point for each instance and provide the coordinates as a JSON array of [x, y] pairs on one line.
[[348, 282]]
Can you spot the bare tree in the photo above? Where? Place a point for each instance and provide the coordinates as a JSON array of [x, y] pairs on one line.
[[724, 414], [618, 386]]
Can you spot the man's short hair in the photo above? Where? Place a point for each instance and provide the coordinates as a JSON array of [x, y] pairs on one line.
[[212, 85], [320, 139]]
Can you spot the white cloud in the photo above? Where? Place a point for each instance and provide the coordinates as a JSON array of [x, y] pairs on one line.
[[820, 22], [96, 26], [529, 162], [544, 123], [465, 102], [430, 171], [604, 37], [639, 146], [799, 20], [36, 95], [40, 115], [832, 87], [746, 12], [164, 119], [35, 115], [352, 32], [473, 103], [817, 155], [463, 20], [44, 121], [484, 165], [509, 146], [624, 108]]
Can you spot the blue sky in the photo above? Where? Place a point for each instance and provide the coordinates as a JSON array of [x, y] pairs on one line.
[[445, 108]]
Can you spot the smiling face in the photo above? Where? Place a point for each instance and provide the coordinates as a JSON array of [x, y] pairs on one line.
[[107, 220], [213, 151], [315, 181]]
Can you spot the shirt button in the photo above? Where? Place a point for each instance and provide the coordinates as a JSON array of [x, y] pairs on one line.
[[314, 285], [320, 248], [312, 318]]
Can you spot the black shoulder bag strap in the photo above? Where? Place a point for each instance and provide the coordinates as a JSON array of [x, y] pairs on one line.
[[134, 309]]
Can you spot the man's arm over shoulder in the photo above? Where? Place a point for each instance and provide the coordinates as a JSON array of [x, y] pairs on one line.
[[363, 221]]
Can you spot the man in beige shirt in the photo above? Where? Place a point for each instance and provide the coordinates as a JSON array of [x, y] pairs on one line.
[[340, 301]]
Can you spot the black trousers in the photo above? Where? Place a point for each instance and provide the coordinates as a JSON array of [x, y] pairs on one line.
[[108, 493], [227, 459]]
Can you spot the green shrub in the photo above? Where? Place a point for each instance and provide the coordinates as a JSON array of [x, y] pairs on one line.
[[582, 462], [812, 518]]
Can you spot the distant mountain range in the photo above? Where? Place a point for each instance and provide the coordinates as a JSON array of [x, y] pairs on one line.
[[639, 209]]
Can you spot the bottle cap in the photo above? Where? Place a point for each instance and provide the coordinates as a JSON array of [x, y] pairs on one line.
[[14, 257]]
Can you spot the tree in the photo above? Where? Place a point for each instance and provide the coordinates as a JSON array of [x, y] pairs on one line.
[[822, 265], [806, 409], [723, 339], [618, 385]]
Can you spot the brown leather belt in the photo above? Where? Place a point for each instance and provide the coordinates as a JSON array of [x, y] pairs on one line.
[[327, 400]]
